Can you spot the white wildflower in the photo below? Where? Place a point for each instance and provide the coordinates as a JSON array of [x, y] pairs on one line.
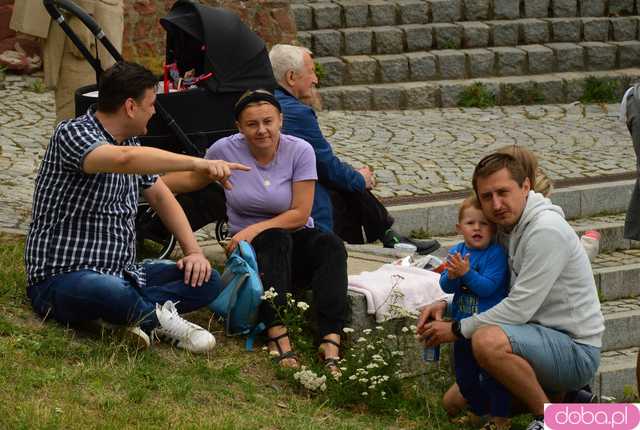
[[310, 380], [364, 394], [353, 378], [303, 306], [372, 387], [363, 380], [376, 357], [361, 339], [372, 366], [413, 328], [379, 328], [366, 331], [269, 294], [397, 353], [405, 329], [371, 347], [348, 330], [391, 336]]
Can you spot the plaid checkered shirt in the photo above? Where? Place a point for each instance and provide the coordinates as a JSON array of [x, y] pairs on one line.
[[83, 221]]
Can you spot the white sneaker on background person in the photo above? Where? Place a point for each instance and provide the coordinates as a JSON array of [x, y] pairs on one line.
[[180, 332]]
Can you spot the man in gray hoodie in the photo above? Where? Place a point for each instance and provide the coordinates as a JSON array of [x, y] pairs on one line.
[[544, 338]]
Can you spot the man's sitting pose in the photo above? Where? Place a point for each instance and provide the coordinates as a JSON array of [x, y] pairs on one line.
[[342, 203], [544, 338], [81, 246]]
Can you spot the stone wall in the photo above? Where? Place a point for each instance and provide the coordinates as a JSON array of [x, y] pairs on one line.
[[144, 38]]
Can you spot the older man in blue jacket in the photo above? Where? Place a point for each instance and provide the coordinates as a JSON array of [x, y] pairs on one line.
[[342, 201]]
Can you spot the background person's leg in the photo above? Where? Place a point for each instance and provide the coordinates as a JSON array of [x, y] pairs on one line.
[[353, 211], [166, 282]]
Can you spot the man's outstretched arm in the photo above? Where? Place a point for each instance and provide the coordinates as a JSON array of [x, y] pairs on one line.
[[109, 158]]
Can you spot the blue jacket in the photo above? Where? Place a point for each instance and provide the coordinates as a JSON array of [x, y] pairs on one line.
[[483, 286], [301, 121]]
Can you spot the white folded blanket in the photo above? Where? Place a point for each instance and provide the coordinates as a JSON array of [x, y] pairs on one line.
[[392, 289]]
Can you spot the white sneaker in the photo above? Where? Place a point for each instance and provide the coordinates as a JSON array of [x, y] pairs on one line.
[[536, 425], [180, 332]]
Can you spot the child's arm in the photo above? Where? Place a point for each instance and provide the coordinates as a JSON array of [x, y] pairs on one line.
[[448, 285], [491, 276]]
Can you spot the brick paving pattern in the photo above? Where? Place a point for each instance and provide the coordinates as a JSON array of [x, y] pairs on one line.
[[412, 152]]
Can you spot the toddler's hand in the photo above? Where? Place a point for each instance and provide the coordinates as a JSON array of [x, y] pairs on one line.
[[458, 265]]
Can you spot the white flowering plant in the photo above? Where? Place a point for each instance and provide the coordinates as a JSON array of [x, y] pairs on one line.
[[372, 360], [293, 314]]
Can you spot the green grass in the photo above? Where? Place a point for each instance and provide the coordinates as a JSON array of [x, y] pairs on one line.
[[599, 90], [477, 95], [55, 377], [37, 86]]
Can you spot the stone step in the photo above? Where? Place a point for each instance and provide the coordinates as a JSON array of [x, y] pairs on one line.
[[448, 64], [622, 323], [578, 201], [617, 373], [310, 15], [617, 274], [512, 90], [472, 34]]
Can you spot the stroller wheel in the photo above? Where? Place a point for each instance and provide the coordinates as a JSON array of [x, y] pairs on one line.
[[222, 231], [152, 238]]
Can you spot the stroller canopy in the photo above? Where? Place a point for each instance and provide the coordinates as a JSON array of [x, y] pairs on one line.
[[209, 39]]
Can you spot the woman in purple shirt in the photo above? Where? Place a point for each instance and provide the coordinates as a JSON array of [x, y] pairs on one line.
[[270, 206]]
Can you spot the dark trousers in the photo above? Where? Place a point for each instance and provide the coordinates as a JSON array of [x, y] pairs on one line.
[[304, 259], [484, 394], [355, 211]]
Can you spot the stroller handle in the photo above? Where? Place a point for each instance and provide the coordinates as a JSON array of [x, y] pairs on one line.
[[53, 8]]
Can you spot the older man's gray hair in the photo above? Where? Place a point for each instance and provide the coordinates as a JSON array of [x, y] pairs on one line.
[[285, 58]]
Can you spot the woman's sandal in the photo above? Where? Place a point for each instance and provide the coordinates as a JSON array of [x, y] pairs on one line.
[[280, 355], [330, 363], [468, 419]]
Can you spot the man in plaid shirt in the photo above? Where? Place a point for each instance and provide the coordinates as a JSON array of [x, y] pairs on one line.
[[80, 251]]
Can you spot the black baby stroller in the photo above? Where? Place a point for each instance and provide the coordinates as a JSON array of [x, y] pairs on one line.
[[217, 46]]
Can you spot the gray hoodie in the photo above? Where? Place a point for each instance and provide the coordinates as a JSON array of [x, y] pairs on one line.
[[551, 279]]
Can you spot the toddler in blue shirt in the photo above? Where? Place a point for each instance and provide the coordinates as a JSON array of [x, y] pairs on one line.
[[478, 276]]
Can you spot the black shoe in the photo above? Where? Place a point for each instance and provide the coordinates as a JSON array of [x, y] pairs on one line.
[[424, 247], [583, 395]]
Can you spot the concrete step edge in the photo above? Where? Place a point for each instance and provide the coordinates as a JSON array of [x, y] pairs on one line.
[[320, 15], [553, 88], [476, 63], [616, 374], [579, 201]]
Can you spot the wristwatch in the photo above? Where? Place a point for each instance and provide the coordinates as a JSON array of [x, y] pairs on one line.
[[457, 331]]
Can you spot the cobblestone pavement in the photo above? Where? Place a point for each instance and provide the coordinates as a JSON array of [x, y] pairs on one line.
[[412, 152]]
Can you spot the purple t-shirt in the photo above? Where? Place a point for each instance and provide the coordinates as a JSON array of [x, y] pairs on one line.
[[265, 191]]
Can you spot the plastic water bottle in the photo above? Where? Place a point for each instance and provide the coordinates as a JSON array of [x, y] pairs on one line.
[[431, 353], [590, 241]]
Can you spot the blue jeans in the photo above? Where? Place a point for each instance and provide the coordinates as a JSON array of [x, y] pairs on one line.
[[86, 295], [560, 363]]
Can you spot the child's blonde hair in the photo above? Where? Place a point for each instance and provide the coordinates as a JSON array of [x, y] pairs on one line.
[[540, 182], [469, 202]]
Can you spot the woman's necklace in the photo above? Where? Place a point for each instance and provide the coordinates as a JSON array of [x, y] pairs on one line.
[[266, 178]]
